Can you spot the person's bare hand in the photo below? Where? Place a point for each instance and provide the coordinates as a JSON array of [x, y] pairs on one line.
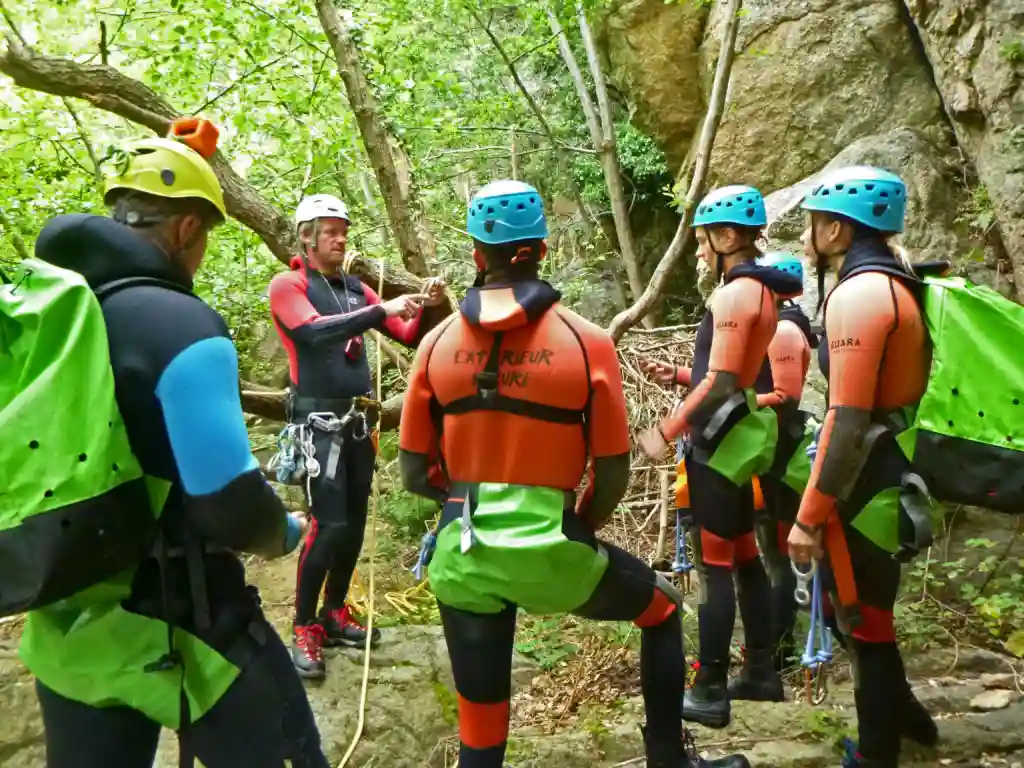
[[405, 306], [803, 546], [659, 372], [434, 291], [652, 443]]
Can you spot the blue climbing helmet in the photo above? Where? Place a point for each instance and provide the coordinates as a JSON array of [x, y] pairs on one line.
[[506, 211], [735, 204], [784, 262], [868, 195]]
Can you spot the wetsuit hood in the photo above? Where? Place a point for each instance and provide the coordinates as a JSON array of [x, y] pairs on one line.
[[503, 306], [782, 284], [103, 250], [795, 314]]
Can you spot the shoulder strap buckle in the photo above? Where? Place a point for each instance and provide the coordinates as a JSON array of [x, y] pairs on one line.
[[487, 379]]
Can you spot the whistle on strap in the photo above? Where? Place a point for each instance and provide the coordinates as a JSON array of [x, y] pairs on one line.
[[196, 133]]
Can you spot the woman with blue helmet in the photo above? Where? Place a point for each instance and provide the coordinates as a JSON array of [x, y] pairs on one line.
[[517, 398], [730, 440], [876, 355]]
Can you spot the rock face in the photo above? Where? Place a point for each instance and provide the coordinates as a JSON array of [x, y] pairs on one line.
[[929, 88], [810, 78], [653, 49], [976, 50]]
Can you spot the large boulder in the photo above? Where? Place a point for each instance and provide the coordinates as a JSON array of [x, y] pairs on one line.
[[935, 189], [810, 78], [976, 51], [652, 48]]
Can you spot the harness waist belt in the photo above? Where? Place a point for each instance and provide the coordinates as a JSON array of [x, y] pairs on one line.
[[303, 405]]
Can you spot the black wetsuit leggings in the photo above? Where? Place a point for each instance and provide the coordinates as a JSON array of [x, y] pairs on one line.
[[480, 647], [263, 720], [340, 497], [773, 527]]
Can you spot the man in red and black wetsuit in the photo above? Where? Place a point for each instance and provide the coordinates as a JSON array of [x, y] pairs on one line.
[[321, 314]]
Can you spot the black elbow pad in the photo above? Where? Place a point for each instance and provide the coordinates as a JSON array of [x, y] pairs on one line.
[[245, 515], [846, 452], [723, 386]]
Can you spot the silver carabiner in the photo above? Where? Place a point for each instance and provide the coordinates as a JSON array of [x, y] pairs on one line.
[[802, 594]]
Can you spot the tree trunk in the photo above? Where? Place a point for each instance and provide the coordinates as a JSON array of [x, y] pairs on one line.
[[602, 134], [400, 199], [625, 320]]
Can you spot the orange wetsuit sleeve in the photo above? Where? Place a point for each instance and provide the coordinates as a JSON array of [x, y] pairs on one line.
[[417, 432], [683, 375], [609, 424], [736, 308], [858, 321], [786, 356]]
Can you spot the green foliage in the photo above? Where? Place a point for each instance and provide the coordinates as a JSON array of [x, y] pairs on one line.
[[544, 640], [978, 212], [828, 727], [1012, 51]]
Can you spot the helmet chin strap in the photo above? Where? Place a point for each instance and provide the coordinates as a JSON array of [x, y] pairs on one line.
[[821, 266], [720, 258]]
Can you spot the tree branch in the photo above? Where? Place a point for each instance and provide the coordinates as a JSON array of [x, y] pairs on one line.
[[586, 217], [399, 199], [676, 248], [107, 89], [16, 241], [604, 142]]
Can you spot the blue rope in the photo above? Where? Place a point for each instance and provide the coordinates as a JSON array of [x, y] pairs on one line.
[[816, 656], [682, 562]]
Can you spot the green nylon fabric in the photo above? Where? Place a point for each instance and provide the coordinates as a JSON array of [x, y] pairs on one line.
[[879, 520], [89, 649], [977, 365], [62, 439], [61, 431], [519, 556], [798, 470], [748, 448]]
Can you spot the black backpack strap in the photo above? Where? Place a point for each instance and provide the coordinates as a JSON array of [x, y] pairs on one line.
[[106, 290], [487, 397]]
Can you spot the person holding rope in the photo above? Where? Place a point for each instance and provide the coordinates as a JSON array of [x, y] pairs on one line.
[[731, 438], [321, 313], [876, 356], [517, 397]]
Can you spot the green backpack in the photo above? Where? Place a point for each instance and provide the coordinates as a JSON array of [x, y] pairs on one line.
[[74, 505], [966, 438]]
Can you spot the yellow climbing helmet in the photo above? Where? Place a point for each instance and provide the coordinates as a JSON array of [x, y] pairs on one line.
[[170, 168]]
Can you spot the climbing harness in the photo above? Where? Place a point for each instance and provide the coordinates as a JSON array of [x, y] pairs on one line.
[[296, 461], [818, 651]]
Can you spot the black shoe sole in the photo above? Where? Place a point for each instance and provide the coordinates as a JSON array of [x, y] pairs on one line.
[[340, 642], [310, 674], [709, 721]]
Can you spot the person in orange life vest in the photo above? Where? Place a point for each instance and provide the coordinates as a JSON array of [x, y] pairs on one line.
[[519, 395], [729, 353], [321, 314], [876, 356]]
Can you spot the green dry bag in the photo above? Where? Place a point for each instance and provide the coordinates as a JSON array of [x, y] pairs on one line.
[[74, 509], [966, 439]]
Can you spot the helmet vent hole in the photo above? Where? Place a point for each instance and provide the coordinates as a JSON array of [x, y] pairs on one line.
[[879, 209], [504, 203], [490, 209], [883, 193], [521, 206], [869, 187], [472, 212], [897, 192], [489, 226], [750, 213], [824, 193], [839, 187], [533, 200], [167, 176], [851, 191], [479, 206], [728, 205]]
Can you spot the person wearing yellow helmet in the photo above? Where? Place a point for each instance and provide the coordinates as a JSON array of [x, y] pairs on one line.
[[179, 640]]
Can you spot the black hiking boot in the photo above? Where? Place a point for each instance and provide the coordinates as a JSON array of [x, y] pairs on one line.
[[758, 679], [682, 753], [342, 629], [307, 642], [707, 702]]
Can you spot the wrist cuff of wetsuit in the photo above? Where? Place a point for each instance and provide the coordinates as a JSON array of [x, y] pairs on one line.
[[810, 530]]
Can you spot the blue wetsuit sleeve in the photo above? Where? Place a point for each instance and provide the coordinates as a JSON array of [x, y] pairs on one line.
[[227, 498]]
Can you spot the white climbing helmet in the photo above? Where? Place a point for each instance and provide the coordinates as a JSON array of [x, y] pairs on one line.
[[316, 207]]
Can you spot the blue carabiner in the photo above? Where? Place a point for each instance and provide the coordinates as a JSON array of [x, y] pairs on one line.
[[682, 562]]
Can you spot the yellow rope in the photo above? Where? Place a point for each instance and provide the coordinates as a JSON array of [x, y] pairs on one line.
[[374, 504]]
